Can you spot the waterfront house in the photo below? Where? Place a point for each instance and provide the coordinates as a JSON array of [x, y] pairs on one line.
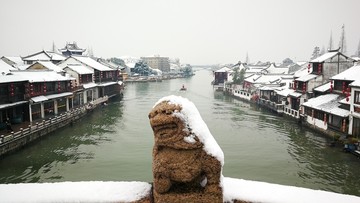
[[354, 116], [319, 70], [43, 56], [13, 105], [85, 89], [222, 76], [331, 111], [47, 92], [107, 79]]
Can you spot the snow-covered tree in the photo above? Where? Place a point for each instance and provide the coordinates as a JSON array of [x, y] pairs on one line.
[[342, 42], [288, 61], [239, 75], [187, 70], [322, 50], [316, 53]]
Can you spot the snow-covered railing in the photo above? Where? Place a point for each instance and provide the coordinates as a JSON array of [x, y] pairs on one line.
[[292, 112]]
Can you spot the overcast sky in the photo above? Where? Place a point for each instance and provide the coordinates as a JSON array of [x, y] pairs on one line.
[[195, 31]]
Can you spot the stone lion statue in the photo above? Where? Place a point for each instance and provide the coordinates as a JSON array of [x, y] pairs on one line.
[[186, 158]]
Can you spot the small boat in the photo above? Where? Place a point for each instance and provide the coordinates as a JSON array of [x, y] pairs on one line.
[[183, 88]]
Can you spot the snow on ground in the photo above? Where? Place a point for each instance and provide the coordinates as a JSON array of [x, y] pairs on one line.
[[98, 191]]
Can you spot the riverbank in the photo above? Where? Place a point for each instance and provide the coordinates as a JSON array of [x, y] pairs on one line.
[[25, 133], [338, 139]]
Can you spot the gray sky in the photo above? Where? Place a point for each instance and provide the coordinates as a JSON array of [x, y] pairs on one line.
[[195, 31]]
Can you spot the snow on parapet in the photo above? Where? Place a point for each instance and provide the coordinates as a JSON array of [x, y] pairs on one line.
[[191, 116], [88, 191]]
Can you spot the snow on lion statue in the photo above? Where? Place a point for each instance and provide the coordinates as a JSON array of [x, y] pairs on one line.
[[187, 161]]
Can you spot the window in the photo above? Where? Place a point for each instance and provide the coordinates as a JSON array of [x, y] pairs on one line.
[[357, 97]]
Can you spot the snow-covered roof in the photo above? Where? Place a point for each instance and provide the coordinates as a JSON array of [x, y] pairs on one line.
[[40, 76], [12, 78], [80, 69], [356, 83], [5, 68], [295, 94], [266, 88], [15, 59], [285, 92], [306, 78], [49, 65], [107, 84], [8, 105], [272, 69], [323, 88], [223, 70], [191, 116], [324, 57], [39, 98], [55, 56], [351, 74], [111, 191], [89, 85], [92, 63], [53, 96], [302, 72], [328, 103], [40, 56]]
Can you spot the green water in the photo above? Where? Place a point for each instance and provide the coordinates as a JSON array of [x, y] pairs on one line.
[[114, 143]]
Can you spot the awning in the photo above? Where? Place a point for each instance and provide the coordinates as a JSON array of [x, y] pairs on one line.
[[4, 106], [107, 84], [89, 85], [53, 96], [295, 94], [39, 99]]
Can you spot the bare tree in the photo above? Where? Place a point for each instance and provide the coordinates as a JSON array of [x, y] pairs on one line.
[[331, 43], [247, 60], [316, 53], [322, 50], [342, 42]]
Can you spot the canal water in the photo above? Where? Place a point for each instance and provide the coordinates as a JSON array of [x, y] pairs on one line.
[[114, 143]]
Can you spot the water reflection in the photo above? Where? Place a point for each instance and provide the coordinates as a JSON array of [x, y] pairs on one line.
[[42, 160]]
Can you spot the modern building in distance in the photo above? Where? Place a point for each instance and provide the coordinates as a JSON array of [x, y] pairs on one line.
[[158, 62]]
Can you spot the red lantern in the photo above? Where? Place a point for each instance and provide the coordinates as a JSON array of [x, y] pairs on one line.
[[343, 125], [31, 89], [44, 88], [343, 88], [295, 85], [331, 86], [325, 121], [319, 69], [309, 68], [12, 90], [304, 87]]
